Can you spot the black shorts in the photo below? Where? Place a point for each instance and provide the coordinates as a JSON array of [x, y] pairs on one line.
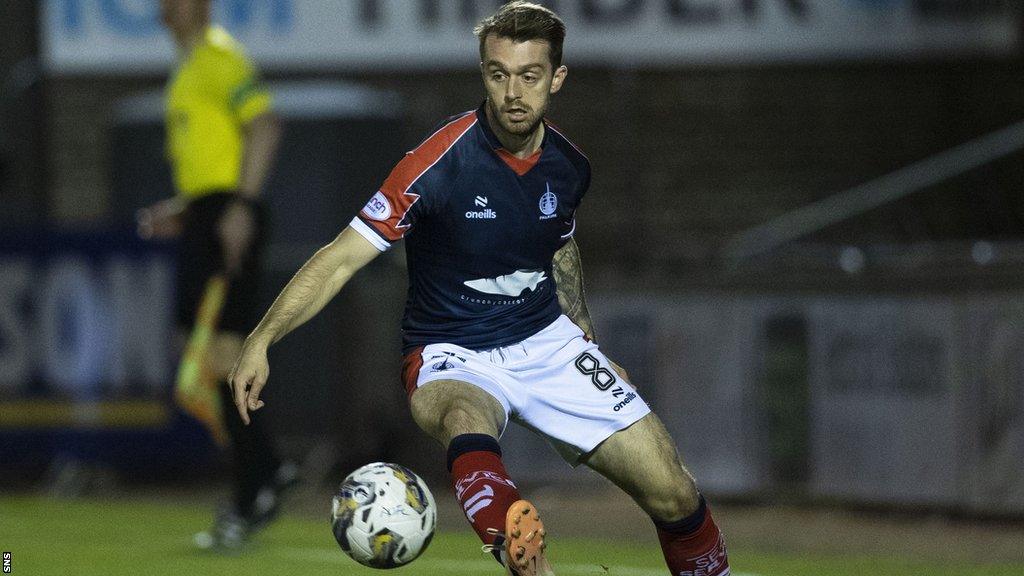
[[200, 257]]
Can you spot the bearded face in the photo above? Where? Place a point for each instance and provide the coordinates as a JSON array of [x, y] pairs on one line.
[[519, 80]]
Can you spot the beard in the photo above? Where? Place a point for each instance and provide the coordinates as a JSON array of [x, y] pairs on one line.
[[531, 120]]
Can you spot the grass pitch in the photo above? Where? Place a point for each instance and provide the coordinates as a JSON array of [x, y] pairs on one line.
[[113, 538]]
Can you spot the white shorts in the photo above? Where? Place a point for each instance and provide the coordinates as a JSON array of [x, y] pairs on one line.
[[555, 382]]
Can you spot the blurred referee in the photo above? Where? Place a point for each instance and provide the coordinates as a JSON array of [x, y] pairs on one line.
[[222, 137]]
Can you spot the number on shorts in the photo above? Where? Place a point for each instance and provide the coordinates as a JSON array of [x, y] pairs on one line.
[[589, 366]]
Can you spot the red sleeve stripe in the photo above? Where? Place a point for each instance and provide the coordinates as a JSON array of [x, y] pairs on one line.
[[431, 151], [443, 128], [397, 188]]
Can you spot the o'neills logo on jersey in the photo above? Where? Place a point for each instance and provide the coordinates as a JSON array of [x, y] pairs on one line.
[[487, 214]]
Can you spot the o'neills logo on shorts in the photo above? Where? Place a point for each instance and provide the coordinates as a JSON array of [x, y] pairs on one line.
[[629, 398]]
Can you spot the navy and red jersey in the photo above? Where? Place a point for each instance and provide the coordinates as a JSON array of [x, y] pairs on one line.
[[481, 228]]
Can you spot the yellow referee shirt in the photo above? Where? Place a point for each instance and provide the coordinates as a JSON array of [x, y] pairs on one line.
[[212, 95]]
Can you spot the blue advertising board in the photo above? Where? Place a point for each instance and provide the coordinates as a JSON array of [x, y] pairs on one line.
[[87, 352]]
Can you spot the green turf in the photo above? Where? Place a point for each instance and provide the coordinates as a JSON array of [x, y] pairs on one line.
[[131, 538]]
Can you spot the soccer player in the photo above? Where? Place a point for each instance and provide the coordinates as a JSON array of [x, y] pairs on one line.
[[222, 137], [496, 326]]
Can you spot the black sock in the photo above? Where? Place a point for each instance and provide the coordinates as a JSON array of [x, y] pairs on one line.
[[254, 458]]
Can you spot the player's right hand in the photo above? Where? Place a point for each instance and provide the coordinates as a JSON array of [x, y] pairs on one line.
[[248, 378]]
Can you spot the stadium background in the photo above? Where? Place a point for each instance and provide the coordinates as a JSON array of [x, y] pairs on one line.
[[803, 241]]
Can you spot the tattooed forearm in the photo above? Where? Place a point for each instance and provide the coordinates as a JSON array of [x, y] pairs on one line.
[[568, 271]]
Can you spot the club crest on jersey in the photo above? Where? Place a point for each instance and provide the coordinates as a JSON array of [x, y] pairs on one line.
[[378, 208], [548, 203]]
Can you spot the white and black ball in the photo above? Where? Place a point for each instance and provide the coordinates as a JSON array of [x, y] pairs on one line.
[[383, 515]]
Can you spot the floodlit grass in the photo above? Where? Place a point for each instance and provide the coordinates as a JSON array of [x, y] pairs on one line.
[[112, 538]]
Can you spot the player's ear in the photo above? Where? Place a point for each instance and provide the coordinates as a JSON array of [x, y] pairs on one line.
[[559, 77]]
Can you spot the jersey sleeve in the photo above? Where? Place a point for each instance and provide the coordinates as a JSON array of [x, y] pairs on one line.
[[569, 226], [233, 82], [584, 185], [393, 210], [418, 184]]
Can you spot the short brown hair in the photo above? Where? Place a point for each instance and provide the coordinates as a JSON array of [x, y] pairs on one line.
[[522, 21]]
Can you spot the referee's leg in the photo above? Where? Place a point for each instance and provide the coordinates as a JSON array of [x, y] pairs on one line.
[[254, 452]]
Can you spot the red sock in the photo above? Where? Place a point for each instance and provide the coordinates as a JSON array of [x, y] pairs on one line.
[[694, 545], [484, 489]]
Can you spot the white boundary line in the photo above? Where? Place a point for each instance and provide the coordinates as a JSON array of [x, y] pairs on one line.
[[469, 566]]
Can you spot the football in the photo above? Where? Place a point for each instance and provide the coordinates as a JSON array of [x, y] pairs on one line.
[[383, 515]]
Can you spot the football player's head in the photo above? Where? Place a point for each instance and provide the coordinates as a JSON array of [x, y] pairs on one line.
[[521, 63]]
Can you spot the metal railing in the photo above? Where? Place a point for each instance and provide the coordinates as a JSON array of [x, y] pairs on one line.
[[801, 222]]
